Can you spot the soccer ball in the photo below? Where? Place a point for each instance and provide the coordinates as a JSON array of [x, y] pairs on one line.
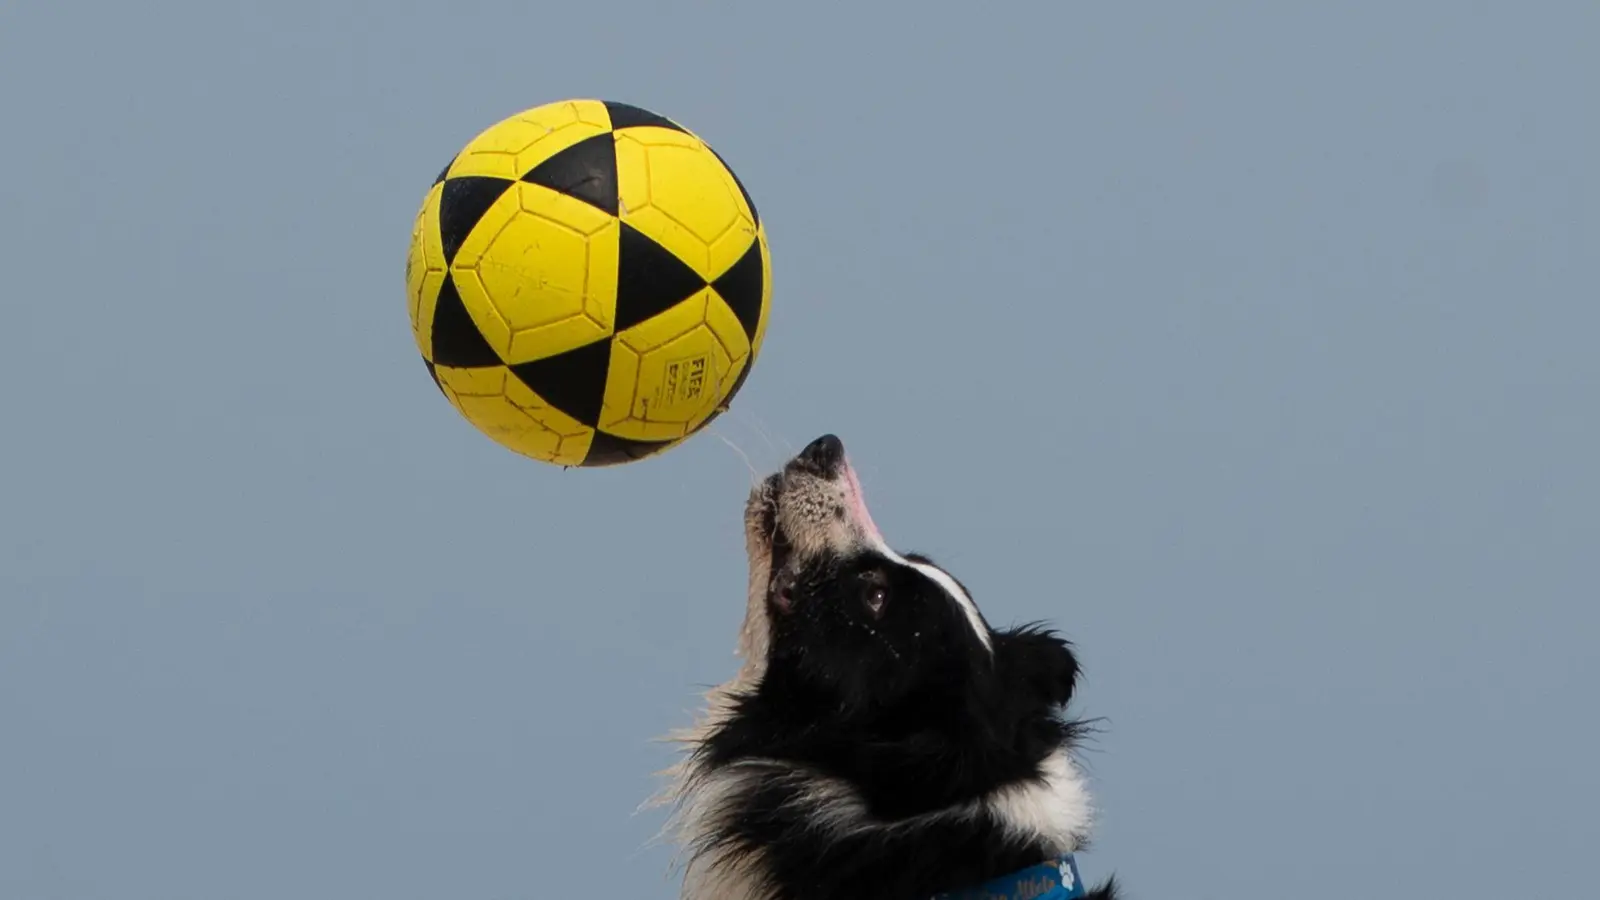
[[589, 283]]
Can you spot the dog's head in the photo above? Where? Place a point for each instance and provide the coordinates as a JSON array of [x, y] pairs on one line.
[[835, 611]]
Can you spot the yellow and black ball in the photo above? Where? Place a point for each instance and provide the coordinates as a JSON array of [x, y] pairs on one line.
[[589, 283]]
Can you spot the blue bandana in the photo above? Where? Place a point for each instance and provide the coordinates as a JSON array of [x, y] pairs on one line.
[[1057, 880]]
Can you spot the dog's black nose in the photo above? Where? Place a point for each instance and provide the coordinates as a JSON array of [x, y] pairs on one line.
[[823, 455]]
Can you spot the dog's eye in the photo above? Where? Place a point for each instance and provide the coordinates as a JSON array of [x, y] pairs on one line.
[[876, 598]]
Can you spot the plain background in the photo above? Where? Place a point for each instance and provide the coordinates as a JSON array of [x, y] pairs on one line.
[[1253, 343]]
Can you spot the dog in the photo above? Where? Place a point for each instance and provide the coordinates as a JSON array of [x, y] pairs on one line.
[[880, 739]]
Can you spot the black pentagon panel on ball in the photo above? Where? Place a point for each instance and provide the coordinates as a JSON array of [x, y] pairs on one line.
[[463, 202], [742, 287], [457, 342], [586, 171], [573, 382], [650, 278], [625, 116], [610, 450]]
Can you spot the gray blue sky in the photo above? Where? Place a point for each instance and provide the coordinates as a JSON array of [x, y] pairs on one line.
[[1252, 343]]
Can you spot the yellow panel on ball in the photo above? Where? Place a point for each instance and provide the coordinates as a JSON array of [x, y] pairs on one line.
[[548, 272], [766, 289], [469, 280], [678, 193], [425, 271], [727, 329], [512, 146], [665, 373]]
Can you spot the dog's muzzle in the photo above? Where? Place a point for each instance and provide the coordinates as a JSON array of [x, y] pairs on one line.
[[811, 507]]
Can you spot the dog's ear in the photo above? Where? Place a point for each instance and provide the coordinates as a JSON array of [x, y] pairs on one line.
[[1037, 663]]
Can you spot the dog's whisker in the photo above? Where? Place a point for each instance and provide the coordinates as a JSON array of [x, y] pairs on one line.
[[760, 427], [755, 476]]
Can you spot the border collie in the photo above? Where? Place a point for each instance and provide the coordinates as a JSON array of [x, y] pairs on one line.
[[881, 740]]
